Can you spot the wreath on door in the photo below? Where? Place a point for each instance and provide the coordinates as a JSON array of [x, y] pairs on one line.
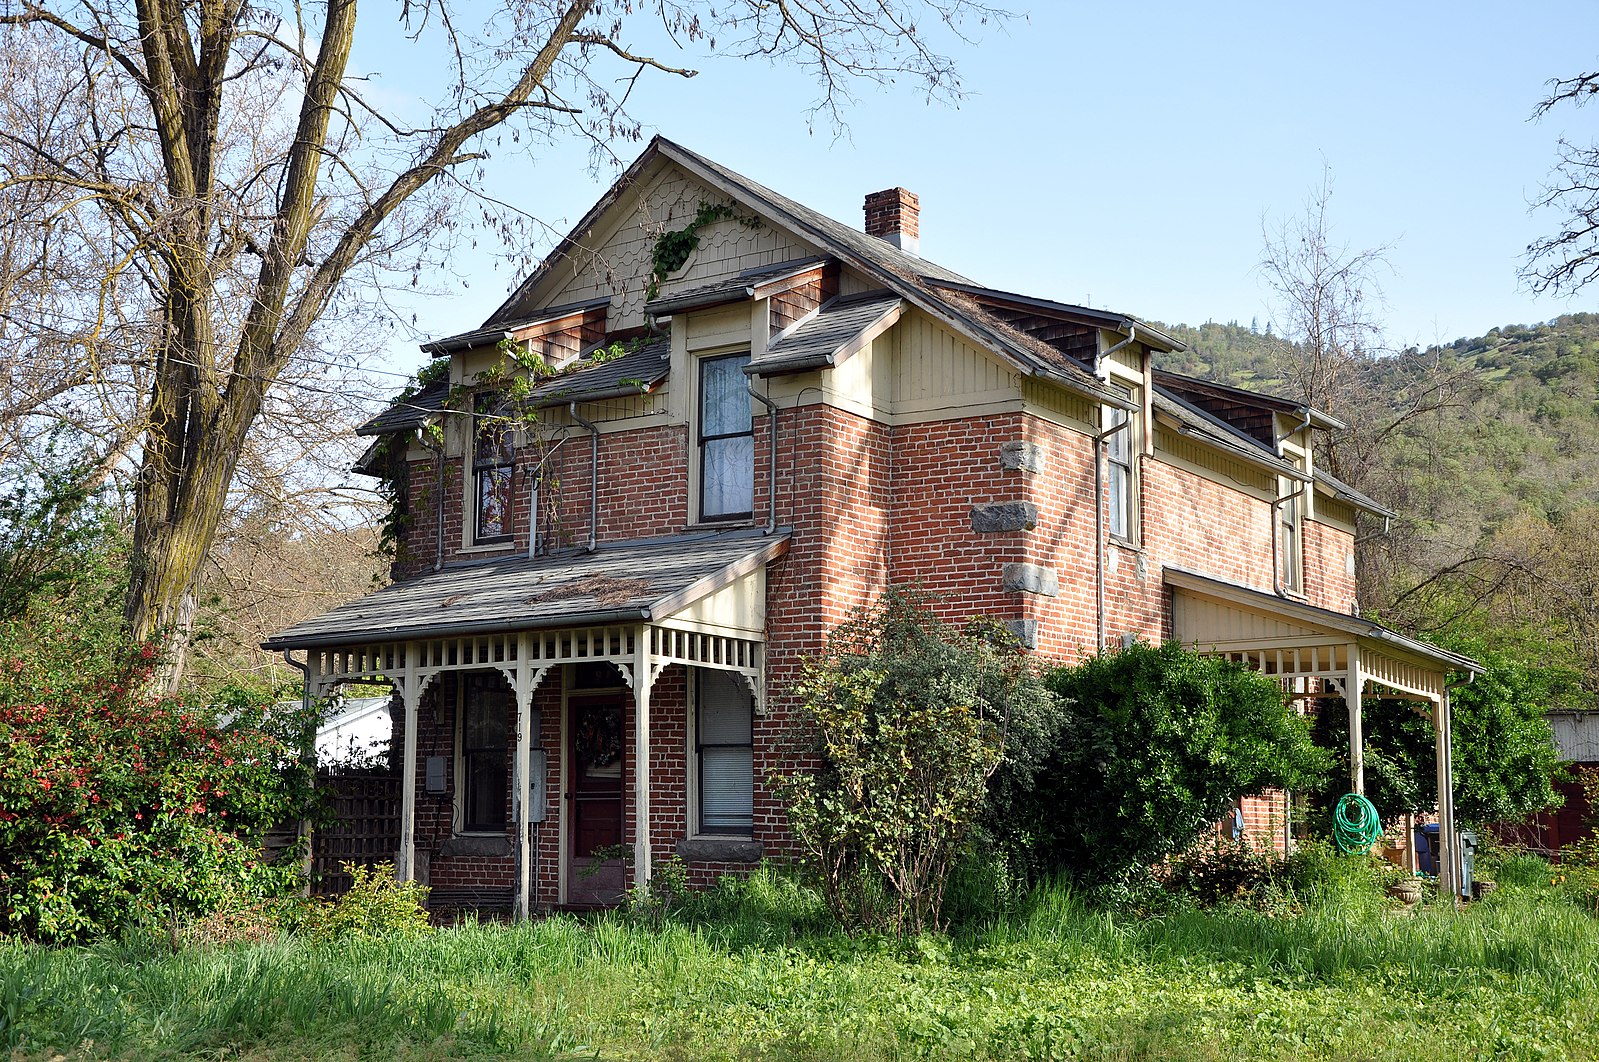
[[599, 737]]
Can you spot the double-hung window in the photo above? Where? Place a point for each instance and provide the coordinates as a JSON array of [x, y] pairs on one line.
[[723, 731], [1120, 484], [1289, 542], [726, 439], [486, 707], [493, 459]]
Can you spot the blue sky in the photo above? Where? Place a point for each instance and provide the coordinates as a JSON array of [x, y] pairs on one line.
[[1124, 155]]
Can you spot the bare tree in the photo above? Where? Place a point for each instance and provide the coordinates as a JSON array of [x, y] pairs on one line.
[[1567, 260], [238, 181], [1333, 356]]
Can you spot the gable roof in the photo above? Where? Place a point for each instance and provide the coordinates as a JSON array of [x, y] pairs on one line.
[[743, 286], [494, 331], [838, 329], [914, 279]]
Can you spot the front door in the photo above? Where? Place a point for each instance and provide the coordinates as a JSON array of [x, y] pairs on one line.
[[596, 873]]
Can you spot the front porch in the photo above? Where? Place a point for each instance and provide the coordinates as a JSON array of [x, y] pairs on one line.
[[554, 711]]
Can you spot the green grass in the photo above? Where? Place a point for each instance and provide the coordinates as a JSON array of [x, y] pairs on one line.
[[754, 973]]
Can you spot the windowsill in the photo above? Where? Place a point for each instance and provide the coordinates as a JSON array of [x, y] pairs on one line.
[[476, 844], [1126, 543], [724, 524], [720, 848], [488, 547]]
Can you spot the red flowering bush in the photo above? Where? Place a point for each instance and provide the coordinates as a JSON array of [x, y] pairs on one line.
[[117, 807]]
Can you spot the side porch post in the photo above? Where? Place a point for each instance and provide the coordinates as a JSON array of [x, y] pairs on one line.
[[642, 667], [1357, 740], [412, 694], [1448, 883]]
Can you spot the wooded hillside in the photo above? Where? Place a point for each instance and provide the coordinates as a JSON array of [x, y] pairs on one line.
[[1488, 448]]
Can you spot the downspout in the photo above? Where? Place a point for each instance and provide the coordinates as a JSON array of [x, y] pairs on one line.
[[1132, 334], [594, 474], [1099, 526], [771, 449], [1280, 439], [1099, 497], [438, 496], [1276, 553]]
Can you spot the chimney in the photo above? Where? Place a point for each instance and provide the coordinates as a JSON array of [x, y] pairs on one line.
[[894, 215]]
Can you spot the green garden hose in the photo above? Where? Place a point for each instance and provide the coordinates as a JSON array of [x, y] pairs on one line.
[[1356, 826]]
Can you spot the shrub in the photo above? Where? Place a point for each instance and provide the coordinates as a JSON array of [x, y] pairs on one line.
[[375, 905], [117, 807], [904, 718], [1157, 743]]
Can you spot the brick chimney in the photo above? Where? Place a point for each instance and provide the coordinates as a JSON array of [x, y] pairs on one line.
[[894, 215]]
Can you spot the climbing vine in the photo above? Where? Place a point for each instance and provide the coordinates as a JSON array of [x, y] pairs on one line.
[[514, 376], [673, 248]]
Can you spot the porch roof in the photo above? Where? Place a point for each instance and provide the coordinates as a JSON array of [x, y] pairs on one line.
[[1295, 637], [639, 581]]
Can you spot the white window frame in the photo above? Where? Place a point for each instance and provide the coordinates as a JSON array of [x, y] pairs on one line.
[[696, 821], [1121, 457], [697, 420], [1290, 532]]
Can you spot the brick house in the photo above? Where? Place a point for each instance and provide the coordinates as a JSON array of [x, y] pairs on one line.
[[593, 619]]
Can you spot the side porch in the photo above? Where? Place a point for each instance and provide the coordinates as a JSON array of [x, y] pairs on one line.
[[1318, 655]]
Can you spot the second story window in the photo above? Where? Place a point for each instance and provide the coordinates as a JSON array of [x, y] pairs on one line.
[[1290, 540], [493, 458], [1121, 470], [726, 439]]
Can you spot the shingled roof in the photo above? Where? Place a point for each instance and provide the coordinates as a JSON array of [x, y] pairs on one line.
[[636, 372], [409, 412], [834, 332], [626, 582], [923, 284]]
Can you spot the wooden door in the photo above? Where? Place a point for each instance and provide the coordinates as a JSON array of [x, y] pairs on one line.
[[596, 737]]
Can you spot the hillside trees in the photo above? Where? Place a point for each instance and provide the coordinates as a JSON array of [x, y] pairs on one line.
[[206, 180]]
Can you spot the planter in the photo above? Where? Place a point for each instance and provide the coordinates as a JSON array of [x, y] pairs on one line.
[[1407, 892]]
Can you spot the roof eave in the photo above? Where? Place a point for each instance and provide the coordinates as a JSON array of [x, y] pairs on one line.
[[595, 617]]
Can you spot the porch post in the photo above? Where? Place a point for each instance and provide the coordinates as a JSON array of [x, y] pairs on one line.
[[1447, 884], [1357, 742], [520, 796], [412, 694], [641, 757]]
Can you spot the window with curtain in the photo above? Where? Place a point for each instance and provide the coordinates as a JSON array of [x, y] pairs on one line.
[[726, 439], [486, 709], [493, 459], [724, 747]]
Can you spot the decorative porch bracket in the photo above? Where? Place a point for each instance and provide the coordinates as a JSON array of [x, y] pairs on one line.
[[525, 658]]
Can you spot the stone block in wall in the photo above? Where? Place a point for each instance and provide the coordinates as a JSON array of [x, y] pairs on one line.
[[1004, 516], [1031, 579], [719, 850], [1025, 630], [1018, 456]]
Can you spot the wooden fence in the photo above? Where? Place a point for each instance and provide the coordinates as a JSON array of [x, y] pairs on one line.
[[365, 828]]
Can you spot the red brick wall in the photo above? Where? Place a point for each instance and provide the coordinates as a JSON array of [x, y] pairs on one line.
[[869, 506], [1327, 579]]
